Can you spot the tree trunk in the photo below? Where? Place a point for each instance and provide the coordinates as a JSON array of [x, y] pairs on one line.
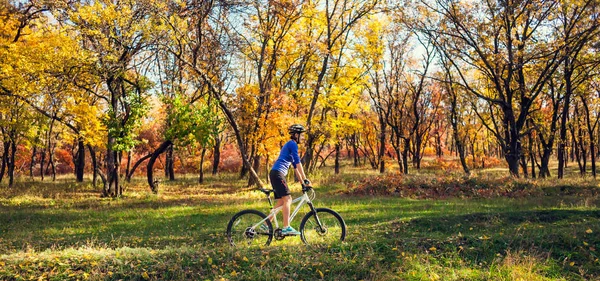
[[4, 159], [11, 163], [32, 162], [128, 166], [513, 154], [545, 160], [94, 165], [111, 169], [150, 167], [355, 151], [438, 147], [118, 185], [381, 153], [590, 130], [564, 119], [405, 155], [244, 170], [51, 161], [80, 163], [337, 158], [460, 149], [531, 156], [201, 176], [216, 156], [593, 157], [140, 161], [256, 167], [169, 163], [42, 161], [523, 165]]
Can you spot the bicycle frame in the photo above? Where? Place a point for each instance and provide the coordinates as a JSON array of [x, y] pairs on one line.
[[304, 199]]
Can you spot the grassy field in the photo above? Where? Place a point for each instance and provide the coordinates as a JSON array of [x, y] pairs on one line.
[[62, 230]]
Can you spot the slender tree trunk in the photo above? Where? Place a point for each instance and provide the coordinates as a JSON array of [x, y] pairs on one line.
[[405, 155], [80, 163], [11, 163], [256, 167], [564, 119], [381, 153], [337, 158], [4, 159], [531, 156], [150, 167], [461, 150], [32, 162], [94, 165], [119, 186], [137, 163], [216, 156], [42, 162], [583, 165], [355, 151], [201, 176], [591, 135], [417, 155], [51, 163], [169, 163], [128, 166], [438, 145], [593, 157], [545, 160]]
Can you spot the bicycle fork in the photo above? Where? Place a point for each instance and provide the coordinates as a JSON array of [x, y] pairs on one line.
[[314, 210]]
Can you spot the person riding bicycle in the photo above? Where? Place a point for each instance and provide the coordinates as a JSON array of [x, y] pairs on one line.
[[287, 157]]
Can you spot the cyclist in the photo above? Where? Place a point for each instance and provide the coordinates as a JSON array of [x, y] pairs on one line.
[[287, 157]]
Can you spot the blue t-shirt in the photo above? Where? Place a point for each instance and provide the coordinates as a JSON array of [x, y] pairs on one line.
[[288, 156]]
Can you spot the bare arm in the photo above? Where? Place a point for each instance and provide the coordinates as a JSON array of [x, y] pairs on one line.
[[300, 172]]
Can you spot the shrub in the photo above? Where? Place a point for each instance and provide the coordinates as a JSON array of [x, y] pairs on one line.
[[443, 187], [442, 164]]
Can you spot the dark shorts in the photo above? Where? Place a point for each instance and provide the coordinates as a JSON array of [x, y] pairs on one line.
[[279, 184]]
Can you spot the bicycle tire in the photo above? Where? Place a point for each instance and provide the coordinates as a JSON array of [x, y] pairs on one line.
[[239, 232], [335, 227]]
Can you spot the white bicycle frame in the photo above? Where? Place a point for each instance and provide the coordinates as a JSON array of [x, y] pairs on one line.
[[302, 200]]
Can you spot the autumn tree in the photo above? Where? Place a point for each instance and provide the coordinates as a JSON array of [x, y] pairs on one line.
[[577, 25], [117, 34], [503, 56], [339, 19]]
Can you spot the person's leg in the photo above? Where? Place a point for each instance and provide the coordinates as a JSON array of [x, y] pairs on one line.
[[286, 202], [278, 204]]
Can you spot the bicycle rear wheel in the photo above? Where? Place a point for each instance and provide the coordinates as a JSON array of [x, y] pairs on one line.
[[241, 233], [332, 227]]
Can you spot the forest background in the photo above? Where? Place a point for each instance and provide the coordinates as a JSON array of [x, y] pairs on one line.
[[110, 87]]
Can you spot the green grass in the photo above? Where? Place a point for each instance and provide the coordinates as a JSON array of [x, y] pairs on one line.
[[58, 231]]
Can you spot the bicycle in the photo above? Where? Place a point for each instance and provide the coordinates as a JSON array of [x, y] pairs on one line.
[[319, 225]]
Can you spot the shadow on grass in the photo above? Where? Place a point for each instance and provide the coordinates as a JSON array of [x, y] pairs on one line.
[[567, 237]]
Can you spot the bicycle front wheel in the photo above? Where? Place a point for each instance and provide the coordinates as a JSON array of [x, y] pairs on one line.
[[323, 227], [240, 231]]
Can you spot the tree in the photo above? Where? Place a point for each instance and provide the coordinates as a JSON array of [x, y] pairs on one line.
[[503, 56], [340, 17], [577, 26], [116, 34]]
